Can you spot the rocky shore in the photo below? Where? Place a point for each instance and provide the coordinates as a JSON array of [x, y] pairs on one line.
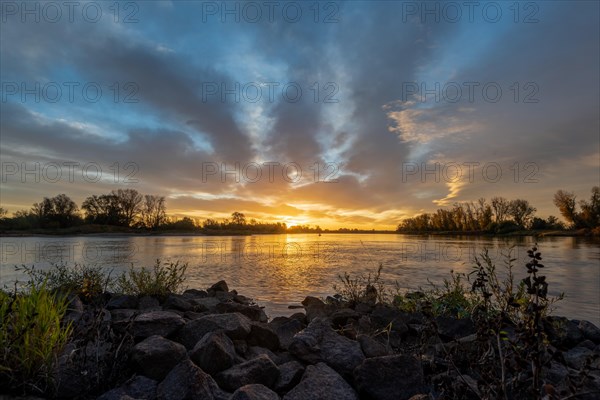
[[217, 344]]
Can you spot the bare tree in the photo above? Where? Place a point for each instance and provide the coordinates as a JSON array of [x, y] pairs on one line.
[[501, 208], [154, 212]]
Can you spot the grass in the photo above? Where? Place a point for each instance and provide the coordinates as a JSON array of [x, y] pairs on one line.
[[31, 337], [160, 281]]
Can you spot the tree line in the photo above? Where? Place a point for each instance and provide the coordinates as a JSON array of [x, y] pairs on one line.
[[122, 207], [501, 215]]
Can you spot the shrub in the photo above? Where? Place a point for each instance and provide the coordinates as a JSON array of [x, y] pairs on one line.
[[161, 280], [84, 281], [31, 337]]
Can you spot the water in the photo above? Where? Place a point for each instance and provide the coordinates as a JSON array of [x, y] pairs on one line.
[[279, 270]]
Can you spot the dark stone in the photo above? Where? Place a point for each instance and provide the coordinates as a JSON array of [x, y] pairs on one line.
[[290, 374], [214, 352], [261, 334], [255, 351], [319, 342], [286, 331], [576, 357], [371, 347], [220, 286], [206, 304], [122, 301], [139, 387], [195, 293], [255, 313], [590, 331], [155, 356], [454, 328], [235, 325], [188, 382], [316, 308], [194, 314], [396, 377], [562, 332], [341, 317], [320, 382], [254, 392], [178, 302], [382, 316], [162, 323], [149, 303], [259, 370], [121, 319], [363, 308]]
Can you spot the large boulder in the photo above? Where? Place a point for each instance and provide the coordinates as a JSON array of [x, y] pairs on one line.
[[454, 328], [254, 392], [155, 356], [188, 382], [320, 382], [139, 387], [162, 323], [122, 301], [178, 302], [589, 331], [220, 286], [396, 377], [253, 312], [319, 342], [286, 329], [290, 374], [214, 352], [261, 334], [258, 370], [371, 347], [235, 325]]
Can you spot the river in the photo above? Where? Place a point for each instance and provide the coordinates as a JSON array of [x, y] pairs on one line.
[[279, 270]]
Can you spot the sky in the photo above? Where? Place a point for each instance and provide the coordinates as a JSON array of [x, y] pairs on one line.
[[339, 114]]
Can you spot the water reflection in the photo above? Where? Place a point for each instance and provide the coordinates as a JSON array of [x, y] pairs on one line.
[[278, 270]]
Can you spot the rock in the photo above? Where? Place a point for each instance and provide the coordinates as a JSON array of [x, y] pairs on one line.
[[255, 351], [290, 374], [194, 314], [286, 331], [149, 303], [188, 382], [235, 325], [259, 370], [320, 382], [587, 344], [238, 298], [220, 286], [122, 318], [155, 356], [214, 352], [576, 357], [139, 387], [589, 331], [562, 332], [178, 302], [315, 308], [396, 377], [224, 296], [195, 293], [319, 342], [122, 301], [363, 308], [255, 313], [162, 323], [254, 392], [206, 304], [454, 328], [371, 347], [341, 317], [383, 316], [261, 334]]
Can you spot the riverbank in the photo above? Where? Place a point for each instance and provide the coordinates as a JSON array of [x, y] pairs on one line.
[[125, 232], [218, 344]]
